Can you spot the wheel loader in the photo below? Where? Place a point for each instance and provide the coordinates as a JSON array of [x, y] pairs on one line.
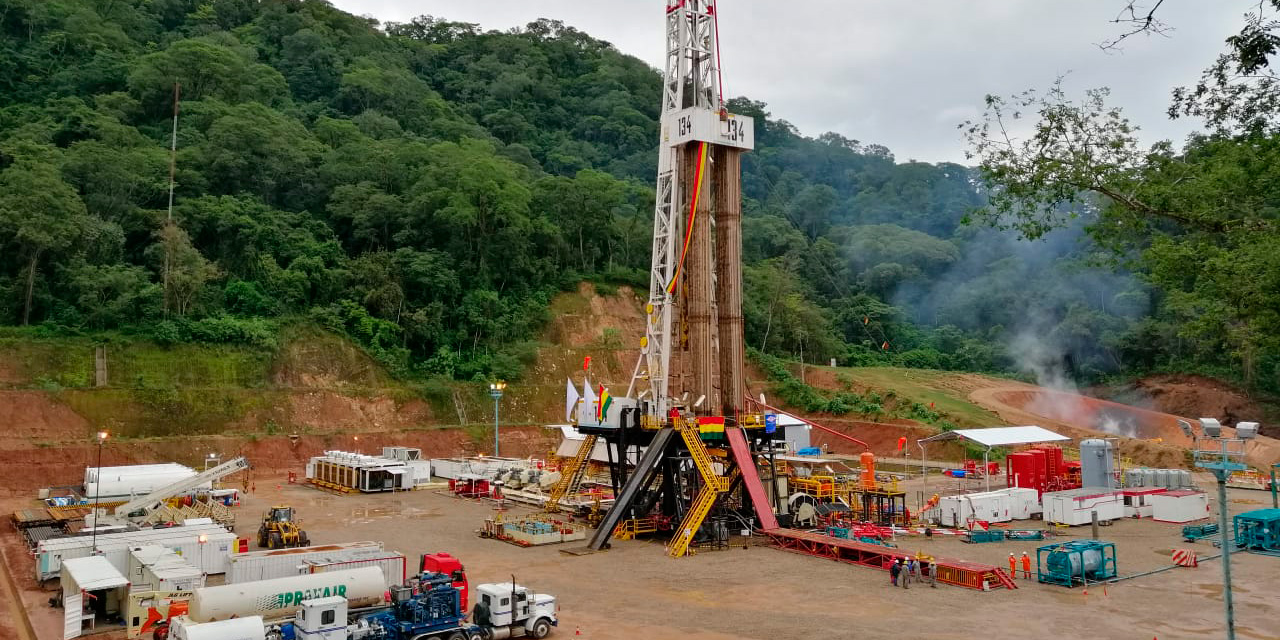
[[280, 531]]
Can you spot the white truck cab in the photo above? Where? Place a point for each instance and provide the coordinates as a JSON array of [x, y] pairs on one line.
[[512, 608]]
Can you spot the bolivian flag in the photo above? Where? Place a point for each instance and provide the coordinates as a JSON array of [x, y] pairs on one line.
[[602, 409]]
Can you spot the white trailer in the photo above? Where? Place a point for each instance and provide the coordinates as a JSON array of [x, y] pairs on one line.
[[207, 546], [114, 483], [1076, 506], [251, 628], [282, 563]]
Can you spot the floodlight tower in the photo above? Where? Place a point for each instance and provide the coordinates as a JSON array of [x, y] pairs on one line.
[[1222, 461], [695, 285]]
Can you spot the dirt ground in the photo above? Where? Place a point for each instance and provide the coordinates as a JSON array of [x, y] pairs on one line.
[[635, 591]]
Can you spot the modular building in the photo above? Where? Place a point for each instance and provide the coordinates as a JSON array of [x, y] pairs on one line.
[[1076, 506], [1138, 502], [105, 484], [92, 591], [157, 568], [1180, 506], [282, 563], [206, 545], [347, 471]]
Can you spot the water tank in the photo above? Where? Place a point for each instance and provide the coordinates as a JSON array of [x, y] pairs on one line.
[[281, 597], [1085, 563], [1184, 479], [1097, 463], [1160, 478]]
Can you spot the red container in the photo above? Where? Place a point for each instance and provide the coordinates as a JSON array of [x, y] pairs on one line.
[[993, 468], [1020, 470], [1040, 460], [1053, 460]]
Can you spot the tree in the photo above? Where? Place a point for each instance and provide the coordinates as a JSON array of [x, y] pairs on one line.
[[40, 215]]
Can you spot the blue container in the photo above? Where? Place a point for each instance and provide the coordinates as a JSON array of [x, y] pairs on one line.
[[956, 473]]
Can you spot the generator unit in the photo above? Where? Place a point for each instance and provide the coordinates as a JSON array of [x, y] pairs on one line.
[[1258, 530], [1076, 562]]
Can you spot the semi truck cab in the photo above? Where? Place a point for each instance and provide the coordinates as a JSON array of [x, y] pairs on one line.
[[508, 610]]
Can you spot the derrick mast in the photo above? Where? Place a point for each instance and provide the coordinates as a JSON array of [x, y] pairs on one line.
[[693, 344], [682, 450]]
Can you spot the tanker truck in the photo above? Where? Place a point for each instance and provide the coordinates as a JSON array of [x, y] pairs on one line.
[[427, 609], [277, 599]]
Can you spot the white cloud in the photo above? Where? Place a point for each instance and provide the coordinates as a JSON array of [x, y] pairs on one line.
[[891, 72]]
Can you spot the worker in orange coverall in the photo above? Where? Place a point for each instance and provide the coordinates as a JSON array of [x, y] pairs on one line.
[[1013, 566], [1026, 565]]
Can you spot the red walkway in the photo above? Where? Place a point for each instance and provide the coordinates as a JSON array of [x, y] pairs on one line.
[[956, 572], [751, 478]]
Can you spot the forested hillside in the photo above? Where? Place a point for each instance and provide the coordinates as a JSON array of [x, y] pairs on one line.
[[427, 187]]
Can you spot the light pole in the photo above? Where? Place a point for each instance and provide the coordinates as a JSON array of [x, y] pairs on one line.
[[1219, 462], [97, 490], [495, 391]]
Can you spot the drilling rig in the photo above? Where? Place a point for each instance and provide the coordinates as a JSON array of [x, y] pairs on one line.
[[681, 445]]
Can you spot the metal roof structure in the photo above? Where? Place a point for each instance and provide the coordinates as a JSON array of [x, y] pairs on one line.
[[999, 436], [92, 573]]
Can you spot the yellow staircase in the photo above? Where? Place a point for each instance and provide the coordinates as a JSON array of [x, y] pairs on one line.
[[701, 458], [570, 475], [698, 511]]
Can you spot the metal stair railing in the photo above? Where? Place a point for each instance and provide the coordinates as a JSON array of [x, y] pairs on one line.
[[571, 477], [701, 458], [698, 511]]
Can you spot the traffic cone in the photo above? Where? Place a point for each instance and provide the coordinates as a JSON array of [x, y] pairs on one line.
[[1104, 592]]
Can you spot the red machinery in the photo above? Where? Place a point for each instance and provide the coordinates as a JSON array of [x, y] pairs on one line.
[[449, 566]]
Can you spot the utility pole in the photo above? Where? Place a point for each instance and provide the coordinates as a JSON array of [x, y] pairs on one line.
[[173, 169]]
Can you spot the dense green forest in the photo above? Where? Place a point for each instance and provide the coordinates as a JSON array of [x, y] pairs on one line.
[[427, 187]]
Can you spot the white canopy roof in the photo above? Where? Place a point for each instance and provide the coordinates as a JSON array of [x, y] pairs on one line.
[[92, 573], [999, 436]]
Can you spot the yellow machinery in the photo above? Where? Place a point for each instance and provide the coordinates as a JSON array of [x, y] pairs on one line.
[[279, 530]]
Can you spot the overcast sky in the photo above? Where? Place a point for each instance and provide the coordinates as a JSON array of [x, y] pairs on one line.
[[901, 74]]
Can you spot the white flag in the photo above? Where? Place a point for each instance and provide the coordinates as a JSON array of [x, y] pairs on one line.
[[570, 399], [587, 415]]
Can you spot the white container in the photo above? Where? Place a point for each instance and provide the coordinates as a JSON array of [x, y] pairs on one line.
[[280, 598], [1180, 506], [283, 563], [156, 568], [212, 556], [395, 568], [1023, 502], [993, 506], [122, 483], [1074, 507], [251, 628]]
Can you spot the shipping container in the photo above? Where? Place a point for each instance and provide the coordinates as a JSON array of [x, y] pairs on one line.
[[282, 563], [1075, 506], [1180, 506], [206, 546], [1024, 503], [395, 568], [1138, 501]]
